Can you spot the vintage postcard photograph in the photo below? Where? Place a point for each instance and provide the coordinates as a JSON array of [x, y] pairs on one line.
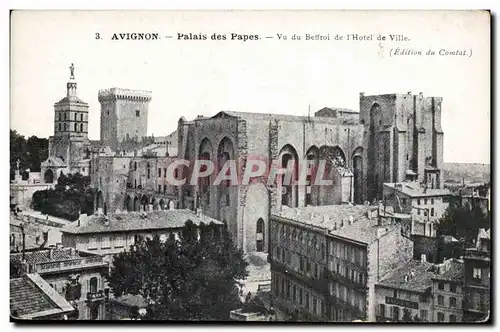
[[250, 166]]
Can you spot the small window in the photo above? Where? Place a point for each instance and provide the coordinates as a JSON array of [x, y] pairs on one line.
[[453, 288], [159, 188], [418, 201], [441, 285], [137, 113], [432, 200], [440, 317], [423, 315], [453, 318], [425, 201], [159, 173], [476, 273], [453, 302], [440, 300], [432, 212], [395, 293]]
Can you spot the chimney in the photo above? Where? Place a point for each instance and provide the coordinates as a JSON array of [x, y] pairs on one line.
[[198, 212], [51, 253], [351, 220]]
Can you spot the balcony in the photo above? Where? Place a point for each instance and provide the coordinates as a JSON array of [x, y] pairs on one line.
[[80, 263], [476, 307], [96, 296], [473, 253]]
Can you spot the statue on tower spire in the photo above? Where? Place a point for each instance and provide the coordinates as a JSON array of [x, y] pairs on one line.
[[72, 71]]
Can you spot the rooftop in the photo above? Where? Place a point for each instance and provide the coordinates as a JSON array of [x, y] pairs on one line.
[[134, 221], [32, 297], [47, 255], [249, 116], [403, 278], [451, 270], [413, 189], [71, 99], [348, 221]]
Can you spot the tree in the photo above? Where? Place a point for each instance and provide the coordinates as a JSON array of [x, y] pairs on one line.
[[189, 278], [16, 268], [71, 196], [463, 222], [30, 152]]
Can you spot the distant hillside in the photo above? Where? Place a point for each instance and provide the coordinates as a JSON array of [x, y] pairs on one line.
[[471, 172]]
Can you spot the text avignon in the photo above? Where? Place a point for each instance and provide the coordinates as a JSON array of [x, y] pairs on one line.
[[135, 36]]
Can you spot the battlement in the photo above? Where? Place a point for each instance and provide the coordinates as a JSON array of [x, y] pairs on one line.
[[124, 94]]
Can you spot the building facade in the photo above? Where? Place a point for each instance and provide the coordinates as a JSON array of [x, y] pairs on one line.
[[78, 276], [326, 260], [132, 183], [124, 116], [477, 291], [404, 139], [115, 233], [427, 205], [447, 289], [350, 142], [69, 147]]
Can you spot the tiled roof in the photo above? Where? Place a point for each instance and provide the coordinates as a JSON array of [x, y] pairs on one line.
[[335, 218], [54, 161], [452, 270], [340, 109], [134, 221], [413, 189], [419, 282], [32, 297], [42, 256], [72, 99]]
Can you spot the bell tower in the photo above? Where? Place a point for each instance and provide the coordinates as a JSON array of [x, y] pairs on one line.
[[70, 124]]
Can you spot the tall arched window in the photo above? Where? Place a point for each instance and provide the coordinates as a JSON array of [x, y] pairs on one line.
[[59, 127], [81, 127], [260, 235], [81, 117], [93, 285], [76, 127]]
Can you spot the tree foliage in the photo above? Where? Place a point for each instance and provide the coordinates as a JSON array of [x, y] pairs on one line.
[[30, 152], [16, 268], [183, 279], [463, 222], [71, 196]]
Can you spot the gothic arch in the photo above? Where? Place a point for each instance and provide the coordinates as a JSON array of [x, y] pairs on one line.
[[289, 190], [145, 202], [48, 176], [162, 204], [225, 152], [99, 200], [256, 214], [312, 191], [205, 152], [137, 204], [127, 206], [357, 167]]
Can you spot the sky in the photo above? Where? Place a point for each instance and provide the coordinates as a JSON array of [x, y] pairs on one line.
[[202, 77]]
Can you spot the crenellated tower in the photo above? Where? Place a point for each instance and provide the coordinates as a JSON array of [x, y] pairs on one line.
[[124, 116]]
